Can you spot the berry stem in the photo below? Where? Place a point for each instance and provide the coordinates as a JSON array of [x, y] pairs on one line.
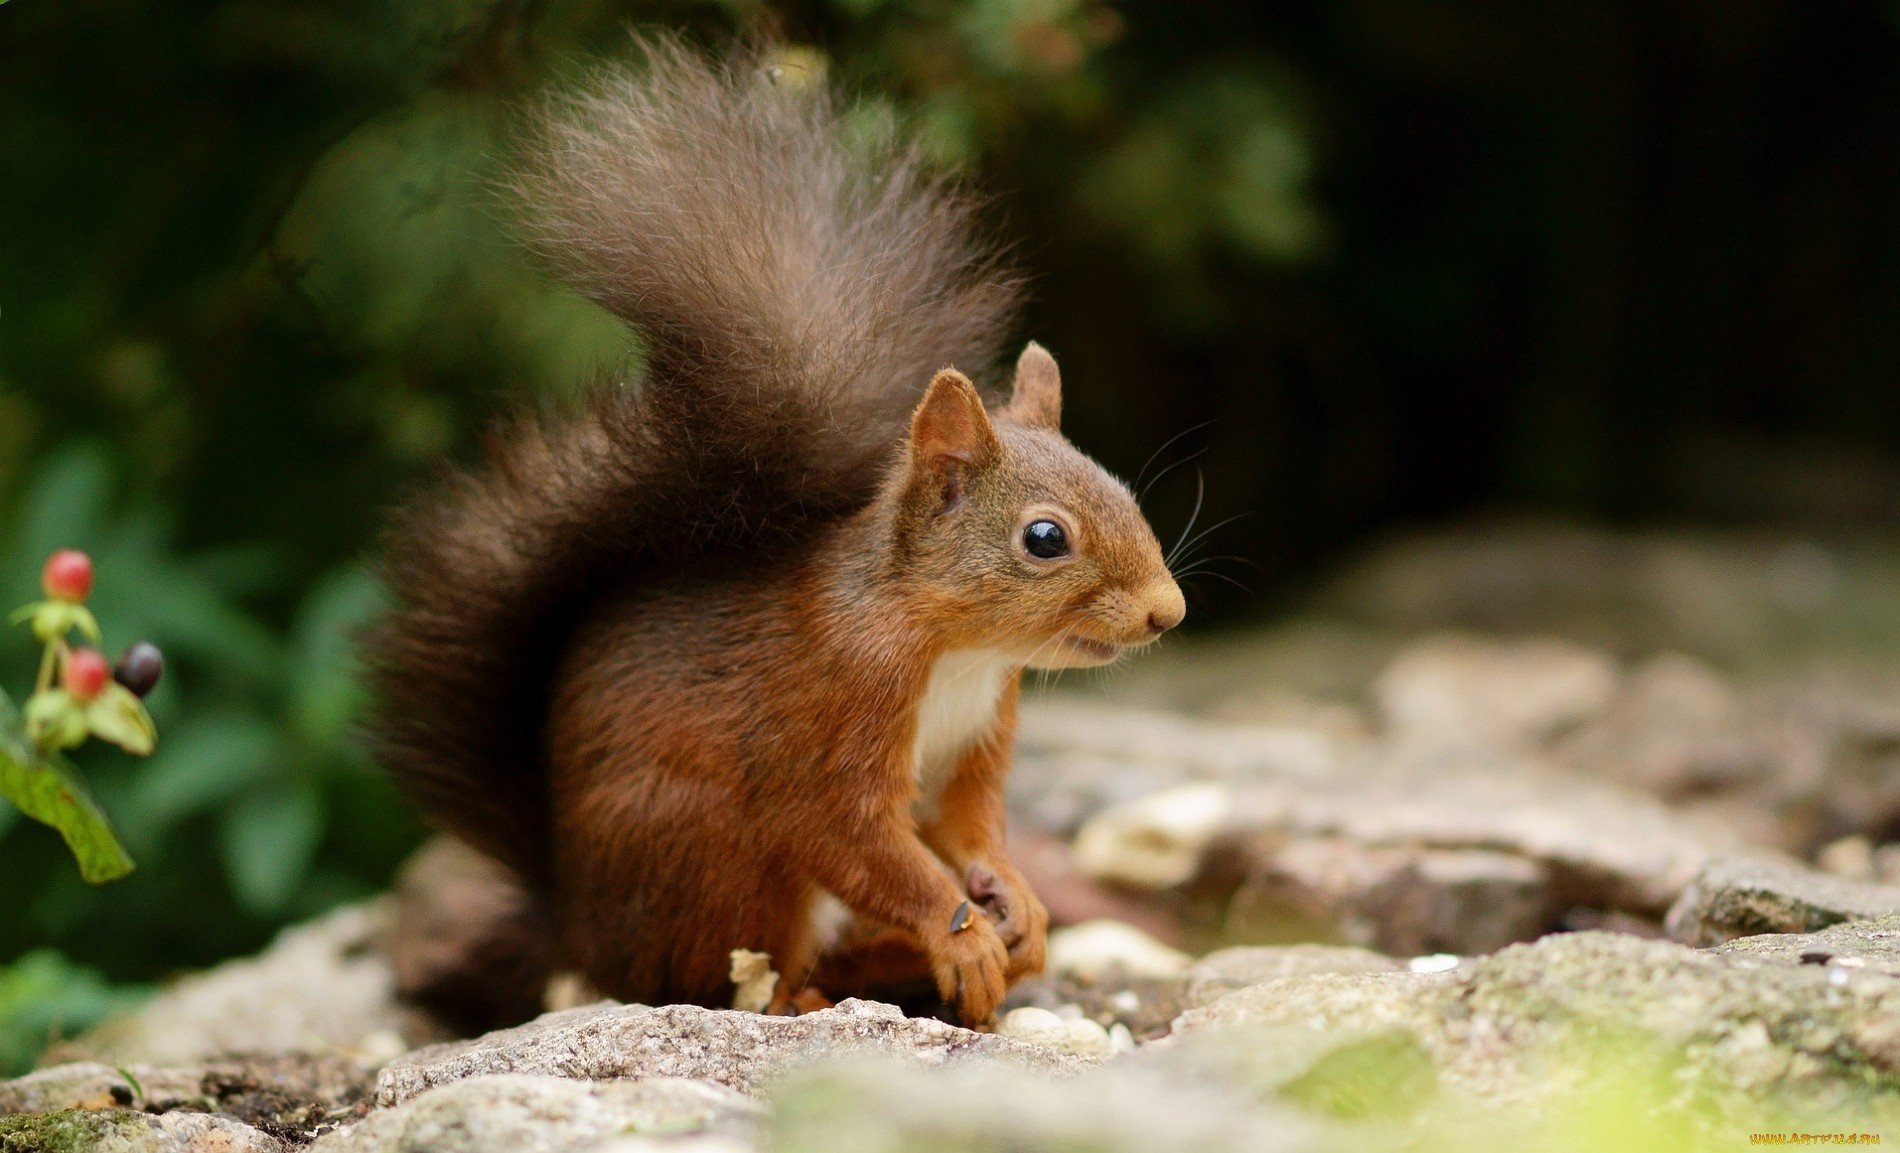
[[48, 666]]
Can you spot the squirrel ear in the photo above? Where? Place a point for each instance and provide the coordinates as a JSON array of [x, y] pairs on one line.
[[1038, 397], [950, 432]]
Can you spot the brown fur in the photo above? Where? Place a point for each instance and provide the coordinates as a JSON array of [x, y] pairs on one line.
[[666, 659]]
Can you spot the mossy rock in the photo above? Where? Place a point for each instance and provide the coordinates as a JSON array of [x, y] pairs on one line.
[[124, 1131]]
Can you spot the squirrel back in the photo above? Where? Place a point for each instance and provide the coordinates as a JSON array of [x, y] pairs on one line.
[[794, 280]]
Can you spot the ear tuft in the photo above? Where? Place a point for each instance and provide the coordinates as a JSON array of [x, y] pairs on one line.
[[1037, 399], [951, 425]]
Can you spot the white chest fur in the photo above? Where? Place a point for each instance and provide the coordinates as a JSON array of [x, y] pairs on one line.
[[958, 710]]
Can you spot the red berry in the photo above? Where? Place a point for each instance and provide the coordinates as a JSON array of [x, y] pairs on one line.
[[68, 575], [86, 674]]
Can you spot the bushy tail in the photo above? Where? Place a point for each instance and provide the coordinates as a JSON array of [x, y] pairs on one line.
[[796, 276]]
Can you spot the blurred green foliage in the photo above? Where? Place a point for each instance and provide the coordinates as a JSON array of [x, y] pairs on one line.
[[44, 997]]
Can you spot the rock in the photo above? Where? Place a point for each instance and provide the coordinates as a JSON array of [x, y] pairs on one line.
[[1454, 850], [1677, 729], [1850, 857], [1142, 1008], [1506, 695], [1405, 899], [1887, 864], [871, 1106], [690, 1143], [1091, 950], [122, 1131], [1736, 897], [1226, 970], [529, 1113], [1071, 897], [1156, 841], [1076, 758], [1516, 1024], [1409, 846], [1077, 1035], [467, 943], [289, 1096], [1850, 945], [738, 1050], [1325, 1002], [324, 987], [88, 1085]]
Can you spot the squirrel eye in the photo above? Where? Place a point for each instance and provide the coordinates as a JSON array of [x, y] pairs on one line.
[[1045, 540]]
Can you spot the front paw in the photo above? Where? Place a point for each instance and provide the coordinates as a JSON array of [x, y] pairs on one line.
[[970, 963], [1021, 920]]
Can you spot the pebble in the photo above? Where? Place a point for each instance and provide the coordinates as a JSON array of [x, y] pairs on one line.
[[1077, 1035], [1092, 948]]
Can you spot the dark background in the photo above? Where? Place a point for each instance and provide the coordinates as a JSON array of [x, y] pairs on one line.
[[1375, 262]]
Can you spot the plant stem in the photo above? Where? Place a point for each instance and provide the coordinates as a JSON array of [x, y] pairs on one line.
[[45, 680]]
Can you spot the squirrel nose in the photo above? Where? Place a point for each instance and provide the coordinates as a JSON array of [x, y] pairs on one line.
[[1169, 607]]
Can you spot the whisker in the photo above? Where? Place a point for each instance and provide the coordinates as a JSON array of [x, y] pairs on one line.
[[1156, 479], [1217, 576], [1204, 534], [1200, 497], [1165, 445]]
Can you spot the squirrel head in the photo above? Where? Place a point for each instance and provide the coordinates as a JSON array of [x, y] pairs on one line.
[[1013, 540]]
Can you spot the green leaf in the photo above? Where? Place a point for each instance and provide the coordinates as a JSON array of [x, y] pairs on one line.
[[47, 788], [117, 715], [270, 838]]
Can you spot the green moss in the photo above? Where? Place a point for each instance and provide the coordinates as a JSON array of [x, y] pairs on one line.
[[1385, 1075], [69, 1130]]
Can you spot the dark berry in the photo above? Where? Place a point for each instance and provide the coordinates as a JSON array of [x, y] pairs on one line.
[[139, 668], [68, 575]]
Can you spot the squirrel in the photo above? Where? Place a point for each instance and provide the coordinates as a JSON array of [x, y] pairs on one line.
[[728, 656]]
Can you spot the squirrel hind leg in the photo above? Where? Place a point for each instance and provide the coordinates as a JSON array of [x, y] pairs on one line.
[[791, 1001], [881, 964]]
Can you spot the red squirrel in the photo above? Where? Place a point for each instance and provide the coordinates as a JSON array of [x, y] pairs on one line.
[[728, 656]]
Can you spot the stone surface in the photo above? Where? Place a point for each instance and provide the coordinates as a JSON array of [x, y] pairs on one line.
[[122, 1131], [739, 1050], [1404, 899], [1678, 729], [871, 1106], [1464, 690], [1078, 1034], [542, 1113], [1094, 949], [1737, 897], [1518, 1023], [464, 939], [289, 1096], [1156, 841], [1144, 1008], [325, 987], [1227, 970], [1851, 945], [1404, 845]]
